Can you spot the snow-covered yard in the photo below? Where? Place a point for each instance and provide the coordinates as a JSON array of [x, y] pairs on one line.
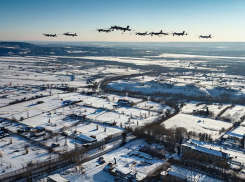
[[17, 152], [198, 124]]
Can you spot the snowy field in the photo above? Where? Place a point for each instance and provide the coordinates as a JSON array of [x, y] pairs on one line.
[[101, 133], [115, 98], [20, 153], [193, 107], [121, 119], [198, 124], [234, 114], [31, 108], [153, 106], [155, 87]]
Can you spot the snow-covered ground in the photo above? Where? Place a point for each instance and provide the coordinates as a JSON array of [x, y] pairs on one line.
[[234, 114], [153, 106], [122, 119], [94, 172], [20, 153], [193, 107], [198, 124]]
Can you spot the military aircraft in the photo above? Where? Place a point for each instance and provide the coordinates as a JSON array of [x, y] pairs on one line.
[[143, 34], [50, 35], [125, 29], [103, 30], [158, 33], [179, 34], [205, 36], [115, 28], [70, 34]]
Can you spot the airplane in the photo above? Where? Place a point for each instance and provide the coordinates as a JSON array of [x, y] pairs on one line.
[[158, 33], [179, 34], [205, 37], [143, 34], [50, 35], [125, 29], [103, 30], [115, 28], [70, 34]]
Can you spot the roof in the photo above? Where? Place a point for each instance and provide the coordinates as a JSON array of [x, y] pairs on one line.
[[87, 138], [58, 178], [206, 148], [190, 175], [237, 132], [122, 169]]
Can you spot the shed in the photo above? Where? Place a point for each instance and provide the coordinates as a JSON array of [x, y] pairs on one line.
[[56, 178]]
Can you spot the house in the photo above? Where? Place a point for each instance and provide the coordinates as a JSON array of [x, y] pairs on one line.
[[235, 137], [85, 138], [213, 152], [56, 178], [177, 173]]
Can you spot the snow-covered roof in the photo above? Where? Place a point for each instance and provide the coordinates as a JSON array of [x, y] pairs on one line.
[[190, 175], [237, 132], [206, 148], [87, 138], [123, 169], [58, 178]]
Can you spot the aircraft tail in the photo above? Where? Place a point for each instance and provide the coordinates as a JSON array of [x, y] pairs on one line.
[[127, 27], [161, 31], [210, 35]]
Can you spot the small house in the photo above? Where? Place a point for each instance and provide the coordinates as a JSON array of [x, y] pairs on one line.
[[56, 178], [85, 139]]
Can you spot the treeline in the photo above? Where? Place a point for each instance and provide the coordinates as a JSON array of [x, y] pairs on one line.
[[157, 133]]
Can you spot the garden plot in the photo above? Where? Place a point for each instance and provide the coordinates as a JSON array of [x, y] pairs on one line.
[[20, 153], [31, 108], [153, 106], [215, 128], [78, 110], [136, 113], [71, 96], [97, 102], [102, 116], [201, 108], [65, 143], [101, 133], [234, 114], [23, 95], [94, 171], [51, 122], [12, 126], [115, 98]]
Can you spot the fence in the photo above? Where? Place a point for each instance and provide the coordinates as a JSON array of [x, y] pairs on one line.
[[51, 164]]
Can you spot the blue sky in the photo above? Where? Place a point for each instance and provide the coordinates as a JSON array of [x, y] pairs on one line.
[[28, 19]]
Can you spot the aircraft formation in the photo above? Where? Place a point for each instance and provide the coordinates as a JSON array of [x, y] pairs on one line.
[[124, 29]]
